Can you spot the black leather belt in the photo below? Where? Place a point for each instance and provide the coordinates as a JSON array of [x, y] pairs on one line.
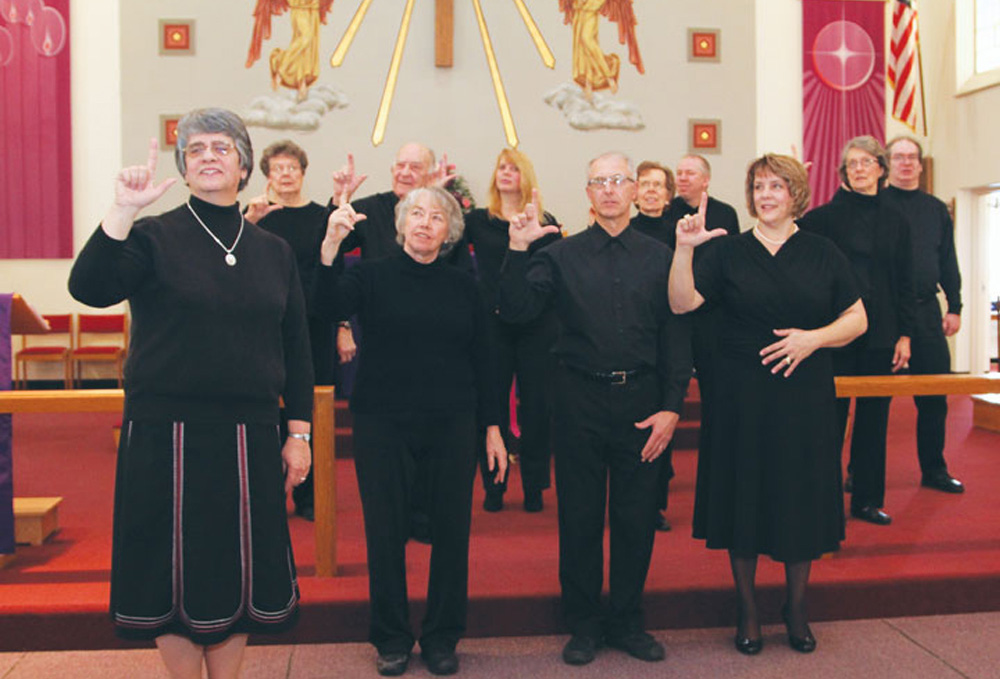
[[614, 377]]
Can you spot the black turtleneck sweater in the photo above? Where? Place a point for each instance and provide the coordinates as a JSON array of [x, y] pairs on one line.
[[210, 342], [876, 239], [933, 235], [426, 347], [662, 228]]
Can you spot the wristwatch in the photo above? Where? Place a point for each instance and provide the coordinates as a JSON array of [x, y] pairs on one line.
[[302, 437]]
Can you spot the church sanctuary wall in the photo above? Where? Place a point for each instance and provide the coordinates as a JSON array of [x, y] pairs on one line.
[[122, 86]]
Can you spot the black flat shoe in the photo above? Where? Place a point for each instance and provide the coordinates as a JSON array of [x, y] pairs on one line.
[[440, 661], [748, 646], [871, 514], [806, 644], [580, 650], [392, 664], [638, 645], [943, 481]]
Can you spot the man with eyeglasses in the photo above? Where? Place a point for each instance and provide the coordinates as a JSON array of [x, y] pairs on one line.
[[934, 265], [623, 364]]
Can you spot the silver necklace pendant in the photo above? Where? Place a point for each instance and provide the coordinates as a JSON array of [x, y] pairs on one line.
[[231, 259]]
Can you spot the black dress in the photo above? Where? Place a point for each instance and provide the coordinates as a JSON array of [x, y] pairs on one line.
[[769, 482], [200, 544]]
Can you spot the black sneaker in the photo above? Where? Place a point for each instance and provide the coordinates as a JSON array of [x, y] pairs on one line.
[[639, 645]]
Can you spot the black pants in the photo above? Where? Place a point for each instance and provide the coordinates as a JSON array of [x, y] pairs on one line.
[[387, 451], [930, 356], [871, 422], [523, 350], [598, 464]]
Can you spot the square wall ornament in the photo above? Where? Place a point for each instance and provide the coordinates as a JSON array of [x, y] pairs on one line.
[[705, 136], [704, 44], [176, 37], [168, 131]]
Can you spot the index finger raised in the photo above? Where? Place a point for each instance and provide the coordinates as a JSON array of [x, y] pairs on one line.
[[703, 204], [154, 153]]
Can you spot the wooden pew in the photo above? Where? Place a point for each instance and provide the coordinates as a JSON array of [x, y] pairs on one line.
[[918, 385], [324, 462]]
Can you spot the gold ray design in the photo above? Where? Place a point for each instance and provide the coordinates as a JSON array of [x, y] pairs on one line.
[[352, 29], [543, 48], [382, 119], [491, 60]]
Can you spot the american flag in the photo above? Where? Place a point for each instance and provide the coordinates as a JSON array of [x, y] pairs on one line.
[[903, 64]]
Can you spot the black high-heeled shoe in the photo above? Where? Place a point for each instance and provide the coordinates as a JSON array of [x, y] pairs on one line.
[[806, 644]]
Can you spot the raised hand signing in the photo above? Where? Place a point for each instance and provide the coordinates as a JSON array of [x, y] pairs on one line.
[[134, 190], [346, 182], [340, 223], [260, 206], [525, 228], [444, 173], [691, 230]]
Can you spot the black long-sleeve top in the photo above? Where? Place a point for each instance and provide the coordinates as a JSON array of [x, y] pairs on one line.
[[610, 296], [876, 239], [426, 347], [932, 233], [303, 228], [661, 228], [376, 235], [489, 238], [718, 215], [209, 342]]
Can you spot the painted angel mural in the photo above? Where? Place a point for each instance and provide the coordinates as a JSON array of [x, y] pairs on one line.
[[297, 66], [593, 69]]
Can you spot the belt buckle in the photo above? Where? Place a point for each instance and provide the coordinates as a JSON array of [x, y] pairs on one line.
[[619, 377]]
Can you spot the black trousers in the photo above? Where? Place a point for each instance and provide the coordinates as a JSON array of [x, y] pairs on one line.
[[930, 356], [871, 423], [598, 466], [387, 451], [522, 350]]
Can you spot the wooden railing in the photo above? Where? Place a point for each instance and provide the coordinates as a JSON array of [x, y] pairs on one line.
[[324, 455], [918, 385]]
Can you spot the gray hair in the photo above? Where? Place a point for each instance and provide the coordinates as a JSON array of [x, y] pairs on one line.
[[445, 201], [618, 155], [706, 167], [211, 121], [869, 145]]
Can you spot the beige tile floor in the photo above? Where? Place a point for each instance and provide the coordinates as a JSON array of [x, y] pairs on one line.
[[945, 647]]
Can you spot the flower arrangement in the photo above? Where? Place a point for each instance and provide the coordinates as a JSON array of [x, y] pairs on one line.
[[459, 188]]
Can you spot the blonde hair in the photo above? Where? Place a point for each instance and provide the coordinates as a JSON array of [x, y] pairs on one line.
[[789, 170], [528, 182]]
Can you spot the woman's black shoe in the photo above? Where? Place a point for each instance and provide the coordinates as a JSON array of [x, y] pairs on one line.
[[748, 646], [806, 644]]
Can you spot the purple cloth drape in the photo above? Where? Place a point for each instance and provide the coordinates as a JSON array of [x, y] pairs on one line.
[[6, 459]]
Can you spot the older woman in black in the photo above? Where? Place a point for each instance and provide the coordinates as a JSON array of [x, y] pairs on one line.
[[876, 239], [522, 349], [424, 391], [769, 480], [201, 552]]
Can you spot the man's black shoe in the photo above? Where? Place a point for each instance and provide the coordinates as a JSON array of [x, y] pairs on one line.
[[440, 661], [943, 481], [871, 514], [580, 650], [391, 664], [533, 501], [639, 645]]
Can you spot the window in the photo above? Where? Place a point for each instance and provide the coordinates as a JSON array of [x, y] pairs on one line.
[[977, 44], [987, 35]]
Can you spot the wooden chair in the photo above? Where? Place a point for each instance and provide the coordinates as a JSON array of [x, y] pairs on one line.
[[107, 326], [60, 330]]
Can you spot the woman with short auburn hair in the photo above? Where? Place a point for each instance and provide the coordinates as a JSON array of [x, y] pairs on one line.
[[769, 478]]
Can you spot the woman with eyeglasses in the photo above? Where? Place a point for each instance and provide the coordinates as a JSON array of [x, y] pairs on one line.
[[876, 239], [201, 554], [522, 348], [284, 211]]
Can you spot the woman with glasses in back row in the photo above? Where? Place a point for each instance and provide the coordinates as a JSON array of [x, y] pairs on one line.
[[201, 554]]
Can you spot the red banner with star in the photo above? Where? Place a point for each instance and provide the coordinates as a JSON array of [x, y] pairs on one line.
[[843, 83], [36, 194]]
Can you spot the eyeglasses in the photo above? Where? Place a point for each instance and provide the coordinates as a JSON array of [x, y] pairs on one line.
[[284, 169], [651, 184], [615, 180], [905, 157], [863, 163], [219, 148]]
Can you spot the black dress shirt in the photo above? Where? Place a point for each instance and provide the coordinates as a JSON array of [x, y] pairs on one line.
[[932, 233], [610, 297]]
